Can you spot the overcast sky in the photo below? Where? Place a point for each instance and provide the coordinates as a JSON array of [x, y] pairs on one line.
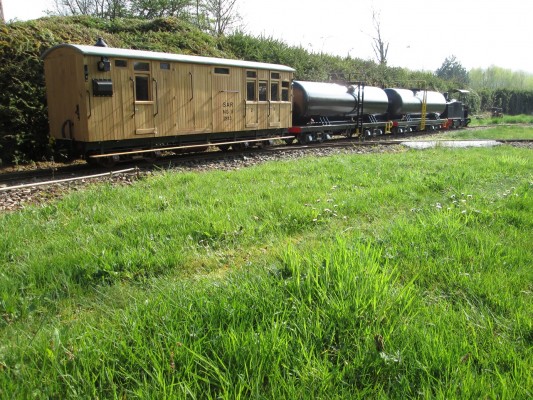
[[420, 33]]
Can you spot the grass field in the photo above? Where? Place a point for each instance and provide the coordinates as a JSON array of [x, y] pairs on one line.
[[496, 133], [404, 275], [506, 119]]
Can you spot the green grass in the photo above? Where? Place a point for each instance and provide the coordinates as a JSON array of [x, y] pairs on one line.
[[277, 281], [495, 133], [506, 119]]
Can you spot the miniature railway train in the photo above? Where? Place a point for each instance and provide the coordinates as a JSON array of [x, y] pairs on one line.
[[105, 103]]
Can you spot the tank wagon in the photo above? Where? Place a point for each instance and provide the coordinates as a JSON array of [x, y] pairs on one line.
[[104, 102], [109, 103], [324, 109]]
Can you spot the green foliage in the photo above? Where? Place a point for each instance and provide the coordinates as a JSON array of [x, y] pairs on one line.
[[322, 66], [513, 102], [160, 8], [500, 87], [494, 78], [452, 70]]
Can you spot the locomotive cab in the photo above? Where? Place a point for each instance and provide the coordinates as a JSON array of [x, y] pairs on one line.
[[457, 111]]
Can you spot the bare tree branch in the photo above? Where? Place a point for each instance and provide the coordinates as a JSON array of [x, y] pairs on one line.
[[221, 15], [380, 47]]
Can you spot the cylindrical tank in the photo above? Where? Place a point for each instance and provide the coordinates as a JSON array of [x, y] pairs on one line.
[[375, 100], [405, 101], [402, 101], [334, 100], [435, 101]]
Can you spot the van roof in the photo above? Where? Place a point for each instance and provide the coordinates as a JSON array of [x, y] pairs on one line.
[[152, 55]]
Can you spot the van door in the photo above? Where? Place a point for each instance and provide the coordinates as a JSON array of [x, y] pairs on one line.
[[251, 107], [146, 99], [274, 115]]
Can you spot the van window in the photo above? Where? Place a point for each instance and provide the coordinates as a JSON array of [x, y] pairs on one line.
[[285, 91], [142, 88], [223, 71], [274, 91], [263, 91], [250, 91], [141, 66]]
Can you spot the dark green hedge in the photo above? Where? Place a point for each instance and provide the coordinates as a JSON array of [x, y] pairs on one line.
[[513, 102]]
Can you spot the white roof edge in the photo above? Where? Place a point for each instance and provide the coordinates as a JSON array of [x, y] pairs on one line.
[[153, 55]]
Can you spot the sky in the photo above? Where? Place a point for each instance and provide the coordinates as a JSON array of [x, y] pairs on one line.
[[421, 33]]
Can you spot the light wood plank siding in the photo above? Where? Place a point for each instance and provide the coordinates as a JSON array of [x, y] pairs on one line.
[[174, 95]]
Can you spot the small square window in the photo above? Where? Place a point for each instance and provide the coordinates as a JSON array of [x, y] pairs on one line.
[[251, 74], [165, 65], [222, 71], [275, 75], [121, 63]]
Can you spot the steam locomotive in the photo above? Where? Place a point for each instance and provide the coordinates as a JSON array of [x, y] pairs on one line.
[[106, 103]]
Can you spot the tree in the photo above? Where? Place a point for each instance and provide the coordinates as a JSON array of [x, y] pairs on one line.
[[380, 47], [98, 8], [217, 17], [160, 8], [2, 12], [221, 15], [452, 70]]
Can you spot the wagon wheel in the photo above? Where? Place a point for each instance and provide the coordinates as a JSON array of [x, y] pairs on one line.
[[241, 146], [152, 156], [107, 162]]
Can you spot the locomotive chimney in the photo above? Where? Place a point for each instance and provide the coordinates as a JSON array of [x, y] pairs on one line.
[[100, 43]]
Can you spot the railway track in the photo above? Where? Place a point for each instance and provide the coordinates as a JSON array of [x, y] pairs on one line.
[[40, 185], [13, 176]]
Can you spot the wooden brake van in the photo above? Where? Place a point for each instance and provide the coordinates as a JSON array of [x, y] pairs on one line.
[[104, 100]]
